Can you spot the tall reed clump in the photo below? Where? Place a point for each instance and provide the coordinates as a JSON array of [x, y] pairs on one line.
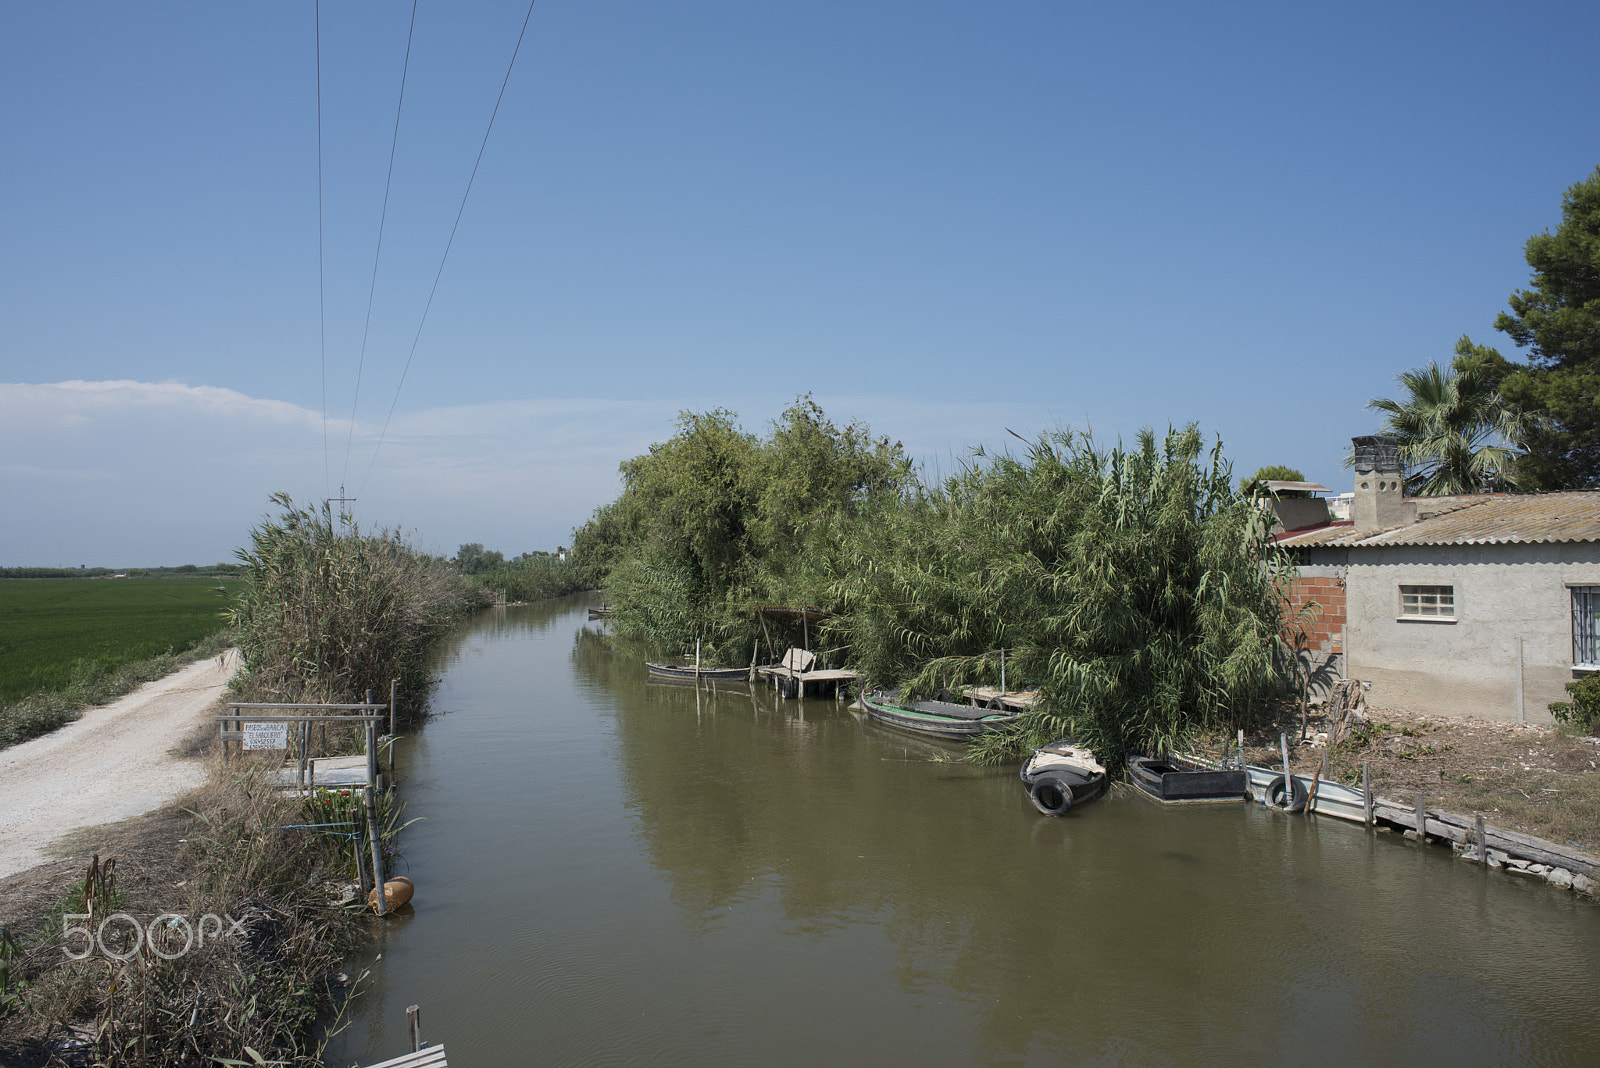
[[329, 613], [533, 577], [1136, 589]]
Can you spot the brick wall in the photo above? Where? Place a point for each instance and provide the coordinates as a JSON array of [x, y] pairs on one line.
[[1323, 628]]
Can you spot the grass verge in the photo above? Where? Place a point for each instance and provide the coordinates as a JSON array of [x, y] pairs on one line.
[[96, 683]]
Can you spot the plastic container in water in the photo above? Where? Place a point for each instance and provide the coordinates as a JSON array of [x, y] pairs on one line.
[[396, 892]]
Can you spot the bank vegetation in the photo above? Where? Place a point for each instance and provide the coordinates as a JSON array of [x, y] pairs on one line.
[[1133, 586], [327, 613]]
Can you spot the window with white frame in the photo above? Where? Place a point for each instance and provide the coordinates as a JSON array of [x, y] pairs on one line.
[[1428, 602], [1586, 626]]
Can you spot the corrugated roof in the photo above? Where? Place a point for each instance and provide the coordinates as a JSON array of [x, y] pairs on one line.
[[1492, 520], [1279, 486]]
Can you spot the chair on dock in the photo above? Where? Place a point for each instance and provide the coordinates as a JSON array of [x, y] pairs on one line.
[[797, 670]]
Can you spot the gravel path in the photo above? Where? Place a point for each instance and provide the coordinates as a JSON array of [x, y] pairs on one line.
[[114, 763]]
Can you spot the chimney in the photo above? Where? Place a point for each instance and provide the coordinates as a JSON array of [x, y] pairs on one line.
[[1380, 502]]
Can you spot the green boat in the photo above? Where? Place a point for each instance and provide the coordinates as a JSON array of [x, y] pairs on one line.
[[942, 719]]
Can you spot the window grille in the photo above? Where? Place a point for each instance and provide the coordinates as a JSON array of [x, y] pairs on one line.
[[1428, 601], [1586, 626]]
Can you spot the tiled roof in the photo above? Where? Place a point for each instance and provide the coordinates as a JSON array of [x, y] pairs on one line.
[[1491, 520]]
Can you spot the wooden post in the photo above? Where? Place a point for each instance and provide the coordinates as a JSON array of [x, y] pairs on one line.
[[370, 735], [1483, 841], [1422, 819], [1241, 747], [697, 661], [392, 684], [1311, 798], [1288, 781], [414, 1025], [1002, 673], [755, 651], [1522, 715], [377, 851], [1366, 793]]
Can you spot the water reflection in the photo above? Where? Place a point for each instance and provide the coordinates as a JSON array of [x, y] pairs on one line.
[[673, 875]]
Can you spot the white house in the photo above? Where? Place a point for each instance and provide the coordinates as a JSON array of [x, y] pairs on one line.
[[1483, 605]]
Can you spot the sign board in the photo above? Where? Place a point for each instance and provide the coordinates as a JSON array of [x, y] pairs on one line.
[[265, 735]]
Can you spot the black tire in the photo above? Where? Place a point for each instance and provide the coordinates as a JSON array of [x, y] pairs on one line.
[[1297, 795], [995, 705], [1051, 795]]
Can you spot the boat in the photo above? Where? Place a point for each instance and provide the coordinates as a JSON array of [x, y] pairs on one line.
[[1061, 775], [599, 613], [942, 719], [1175, 780], [1333, 799], [689, 671]]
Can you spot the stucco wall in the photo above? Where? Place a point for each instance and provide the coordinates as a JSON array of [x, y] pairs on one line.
[[1468, 667]]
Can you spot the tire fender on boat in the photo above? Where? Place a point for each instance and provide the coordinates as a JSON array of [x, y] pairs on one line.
[[1297, 795], [1051, 795]]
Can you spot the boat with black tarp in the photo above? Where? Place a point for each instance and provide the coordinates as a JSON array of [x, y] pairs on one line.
[[1173, 780]]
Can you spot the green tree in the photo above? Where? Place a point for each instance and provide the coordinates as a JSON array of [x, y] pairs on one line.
[[1558, 321], [1457, 434], [1270, 473], [472, 558]]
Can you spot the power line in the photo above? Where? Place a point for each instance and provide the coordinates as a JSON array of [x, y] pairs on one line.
[[322, 286], [376, 256], [461, 211]]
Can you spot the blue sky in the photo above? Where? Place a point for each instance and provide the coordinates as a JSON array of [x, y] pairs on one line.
[[944, 219]]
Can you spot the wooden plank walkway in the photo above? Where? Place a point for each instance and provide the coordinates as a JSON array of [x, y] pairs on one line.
[[817, 681], [1021, 700], [431, 1057]]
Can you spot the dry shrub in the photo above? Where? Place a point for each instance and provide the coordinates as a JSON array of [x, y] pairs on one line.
[[261, 980]]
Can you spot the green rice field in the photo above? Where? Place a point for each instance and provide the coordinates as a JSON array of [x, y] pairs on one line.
[[53, 629]]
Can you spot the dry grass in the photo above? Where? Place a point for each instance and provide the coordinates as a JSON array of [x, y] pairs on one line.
[[1539, 780], [262, 985]]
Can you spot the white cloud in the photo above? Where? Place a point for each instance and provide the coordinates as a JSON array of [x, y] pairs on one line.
[[128, 473]]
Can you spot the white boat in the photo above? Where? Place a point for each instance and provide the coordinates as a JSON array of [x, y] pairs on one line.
[[1061, 775], [1333, 799]]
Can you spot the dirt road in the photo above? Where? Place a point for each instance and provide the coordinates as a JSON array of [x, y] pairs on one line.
[[114, 763]]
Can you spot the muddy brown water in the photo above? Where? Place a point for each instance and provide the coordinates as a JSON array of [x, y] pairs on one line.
[[616, 873]]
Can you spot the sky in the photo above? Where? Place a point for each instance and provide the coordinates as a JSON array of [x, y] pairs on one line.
[[949, 221]]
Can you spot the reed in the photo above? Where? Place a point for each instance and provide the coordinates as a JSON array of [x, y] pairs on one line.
[[328, 613], [534, 577], [1135, 588]]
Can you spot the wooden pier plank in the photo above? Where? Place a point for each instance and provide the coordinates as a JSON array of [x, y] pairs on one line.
[[432, 1057]]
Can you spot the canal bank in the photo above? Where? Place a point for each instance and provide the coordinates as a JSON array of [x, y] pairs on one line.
[[614, 872]]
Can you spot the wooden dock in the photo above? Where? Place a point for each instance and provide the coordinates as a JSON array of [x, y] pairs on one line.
[[793, 683], [431, 1057], [794, 675], [1015, 700]]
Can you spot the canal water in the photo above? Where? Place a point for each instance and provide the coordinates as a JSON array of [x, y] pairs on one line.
[[610, 872]]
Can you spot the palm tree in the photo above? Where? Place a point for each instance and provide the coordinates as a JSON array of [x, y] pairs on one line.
[[1457, 435]]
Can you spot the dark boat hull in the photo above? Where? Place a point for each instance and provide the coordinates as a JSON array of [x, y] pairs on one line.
[[1170, 780], [937, 719]]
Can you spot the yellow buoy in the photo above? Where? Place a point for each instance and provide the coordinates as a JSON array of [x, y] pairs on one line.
[[396, 892]]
